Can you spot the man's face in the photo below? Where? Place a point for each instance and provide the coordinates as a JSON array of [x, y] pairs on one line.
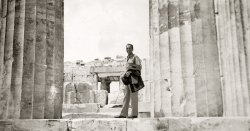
[[129, 49]]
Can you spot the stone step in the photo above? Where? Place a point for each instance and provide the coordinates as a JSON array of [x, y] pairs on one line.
[[110, 110], [81, 108], [139, 124], [87, 115]]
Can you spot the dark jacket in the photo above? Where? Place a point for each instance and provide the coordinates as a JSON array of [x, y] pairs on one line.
[[133, 80]]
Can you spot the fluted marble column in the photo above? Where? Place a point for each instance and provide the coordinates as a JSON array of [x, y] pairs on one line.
[[202, 48], [232, 18], [31, 59]]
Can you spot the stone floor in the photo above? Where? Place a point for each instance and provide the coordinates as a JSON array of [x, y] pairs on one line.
[[139, 124]]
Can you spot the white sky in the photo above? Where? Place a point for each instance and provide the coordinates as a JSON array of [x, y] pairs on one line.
[[100, 28]]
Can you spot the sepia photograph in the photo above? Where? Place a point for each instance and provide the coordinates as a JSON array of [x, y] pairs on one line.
[[124, 65]]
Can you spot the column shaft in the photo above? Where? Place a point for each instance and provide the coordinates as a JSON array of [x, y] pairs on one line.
[[40, 61], [58, 60], [176, 83], [8, 59], [2, 44], [156, 58], [50, 39], [17, 66], [187, 58], [28, 60], [164, 59]]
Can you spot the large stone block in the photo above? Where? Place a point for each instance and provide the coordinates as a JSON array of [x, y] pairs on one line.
[[179, 124], [6, 125], [83, 97], [116, 97], [83, 92], [91, 96], [68, 88], [71, 98], [87, 115], [99, 125], [147, 125], [220, 124], [34, 125], [81, 108], [101, 96]]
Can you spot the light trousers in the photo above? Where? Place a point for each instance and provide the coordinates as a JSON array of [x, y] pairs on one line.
[[134, 102]]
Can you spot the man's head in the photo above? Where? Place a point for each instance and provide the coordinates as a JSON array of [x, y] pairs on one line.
[[129, 48]]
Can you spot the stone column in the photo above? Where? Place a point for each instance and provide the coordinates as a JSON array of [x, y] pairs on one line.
[[105, 84], [6, 97], [31, 59], [187, 58], [206, 60], [164, 59], [40, 61], [58, 60], [28, 60], [184, 59], [17, 66], [156, 94], [233, 42]]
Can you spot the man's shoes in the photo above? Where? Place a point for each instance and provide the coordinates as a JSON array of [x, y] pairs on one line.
[[132, 116], [120, 116]]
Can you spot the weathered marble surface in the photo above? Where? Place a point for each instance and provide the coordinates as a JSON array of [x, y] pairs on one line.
[[116, 97], [83, 92], [81, 108], [31, 64], [199, 57], [144, 124], [78, 93], [101, 96]]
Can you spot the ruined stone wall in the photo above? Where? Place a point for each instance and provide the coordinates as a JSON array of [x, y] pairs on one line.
[[200, 57], [31, 59]]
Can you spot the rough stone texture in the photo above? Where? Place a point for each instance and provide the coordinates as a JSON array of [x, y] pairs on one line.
[[199, 57], [179, 124], [71, 97], [91, 96], [187, 59], [164, 58], [99, 125], [41, 125], [78, 93], [6, 96], [17, 66], [145, 124], [116, 97], [26, 65], [234, 55], [101, 97], [40, 61], [88, 115], [81, 108], [220, 124], [83, 92], [68, 88], [28, 60], [50, 90]]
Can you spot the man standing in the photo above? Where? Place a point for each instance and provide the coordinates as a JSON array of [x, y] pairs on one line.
[[133, 83]]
